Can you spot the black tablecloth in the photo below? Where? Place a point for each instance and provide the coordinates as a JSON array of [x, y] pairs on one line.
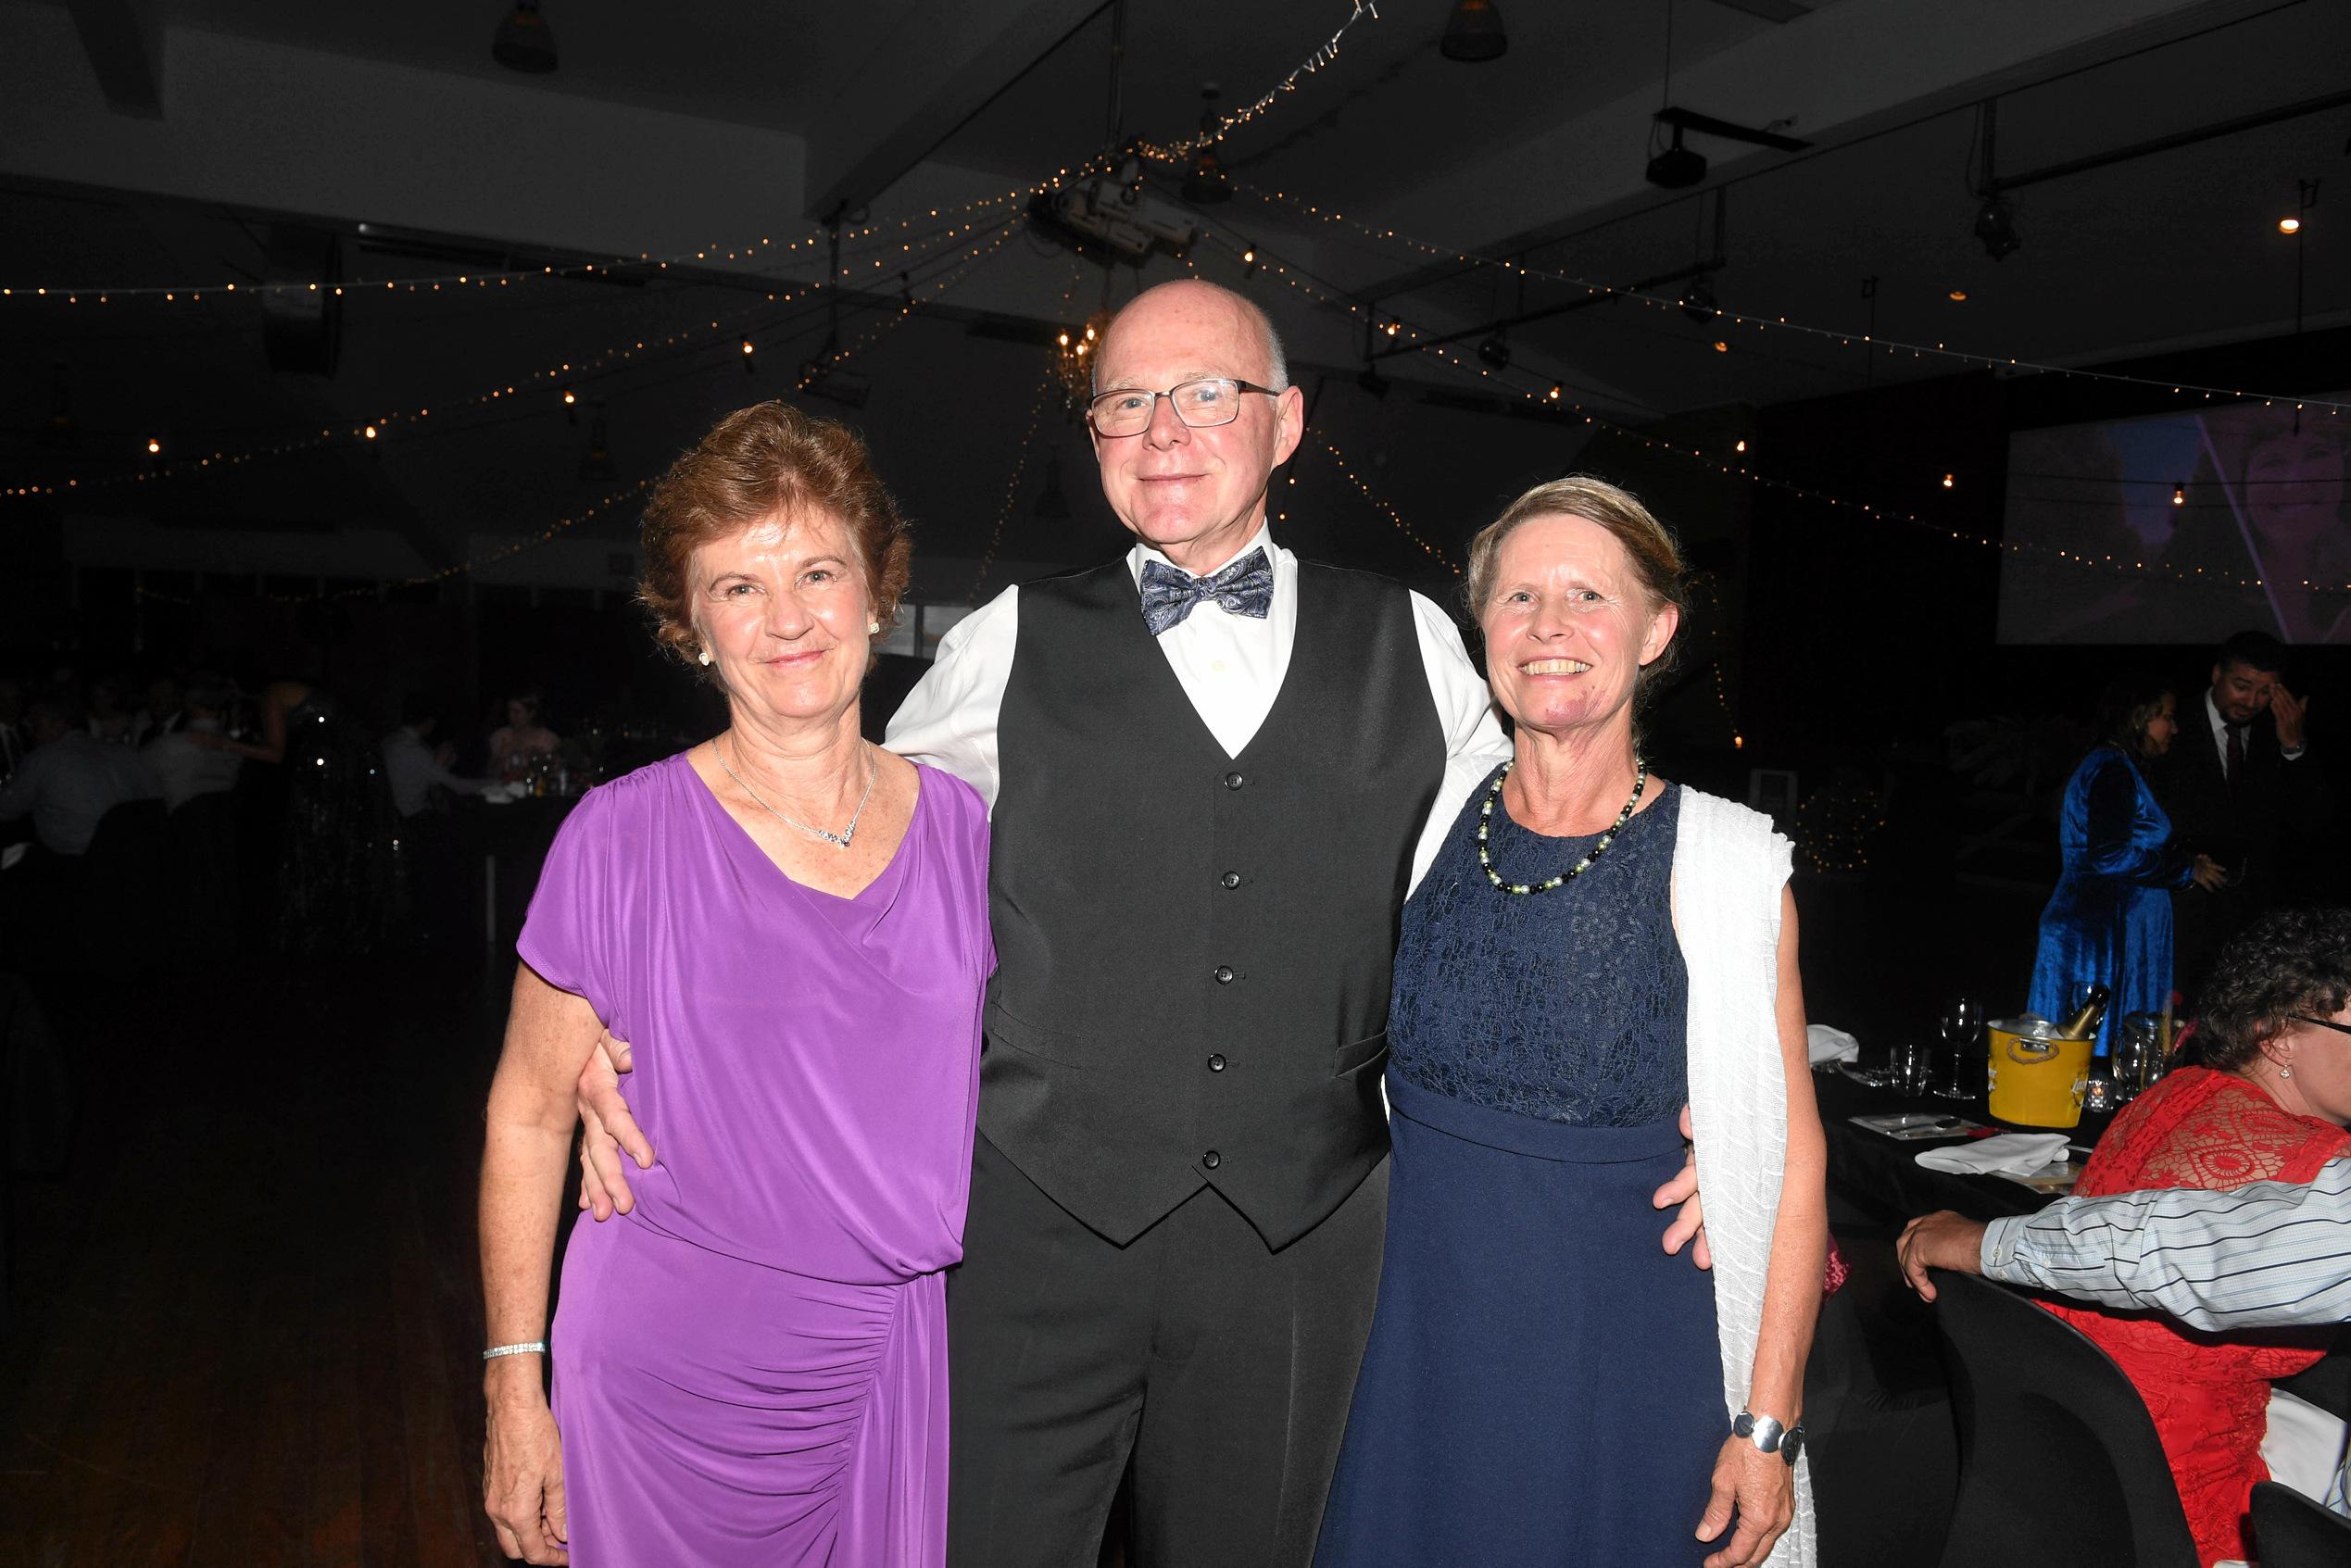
[[1881, 1176]]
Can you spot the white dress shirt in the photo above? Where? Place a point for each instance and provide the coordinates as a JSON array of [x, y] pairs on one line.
[[2220, 727], [186, 770], [410, 770], [1231, 667]]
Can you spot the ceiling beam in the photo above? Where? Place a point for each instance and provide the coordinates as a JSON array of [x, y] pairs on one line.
[[903, 103], [124, 44]]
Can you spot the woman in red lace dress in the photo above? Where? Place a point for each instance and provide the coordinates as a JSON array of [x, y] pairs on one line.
[[2269, 1104]]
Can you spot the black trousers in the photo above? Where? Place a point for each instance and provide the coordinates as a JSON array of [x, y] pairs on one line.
[[1222, 1369]]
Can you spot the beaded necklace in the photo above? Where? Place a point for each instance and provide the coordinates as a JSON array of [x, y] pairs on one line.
[[1485, 817]]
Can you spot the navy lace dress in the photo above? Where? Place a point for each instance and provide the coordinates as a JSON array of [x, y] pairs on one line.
[[1542, 1384]]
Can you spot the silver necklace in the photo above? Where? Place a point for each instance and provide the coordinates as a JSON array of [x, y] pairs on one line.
[[837, 840], [1486, 813]]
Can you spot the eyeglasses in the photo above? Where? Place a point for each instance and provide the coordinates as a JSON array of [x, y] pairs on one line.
[[1199, 404], [2323, 1022]]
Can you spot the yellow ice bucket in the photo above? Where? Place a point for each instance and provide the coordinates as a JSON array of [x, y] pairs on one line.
[[2036, 1081]]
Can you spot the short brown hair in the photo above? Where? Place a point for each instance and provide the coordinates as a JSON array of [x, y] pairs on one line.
[[2289, 964], [758, 463], [1656, 559]]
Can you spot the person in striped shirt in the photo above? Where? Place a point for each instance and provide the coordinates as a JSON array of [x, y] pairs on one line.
[[2271, 1255]]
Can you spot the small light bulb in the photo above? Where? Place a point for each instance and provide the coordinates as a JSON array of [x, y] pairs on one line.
[[1250, 255], [1554, 392], [1721, 347], [1741, 446], [1949, 482], [1064, 340], [746, 346], [371, 432], [153, 446], [1958, 296], [569, 397], [2179, 494], [2289, 225]]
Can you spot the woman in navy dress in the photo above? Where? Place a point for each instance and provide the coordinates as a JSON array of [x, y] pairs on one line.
[[2109, 921], [1544, 1383]]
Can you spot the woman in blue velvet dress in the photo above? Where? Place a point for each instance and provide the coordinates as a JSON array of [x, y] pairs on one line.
[[1587, 947], [2109, 922]]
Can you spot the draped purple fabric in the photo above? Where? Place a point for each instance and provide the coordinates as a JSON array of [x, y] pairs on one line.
[[751, 1366]]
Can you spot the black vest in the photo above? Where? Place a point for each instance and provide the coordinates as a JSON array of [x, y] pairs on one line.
[[1193, 950]]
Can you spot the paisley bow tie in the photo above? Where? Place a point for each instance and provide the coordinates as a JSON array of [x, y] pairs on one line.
[[1246, 587]]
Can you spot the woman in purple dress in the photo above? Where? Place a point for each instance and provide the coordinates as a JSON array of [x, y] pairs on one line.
[[789, 926]]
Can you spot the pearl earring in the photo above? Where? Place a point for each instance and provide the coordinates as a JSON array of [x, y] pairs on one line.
[[706, 659], [873, 628], [2285, 1072]]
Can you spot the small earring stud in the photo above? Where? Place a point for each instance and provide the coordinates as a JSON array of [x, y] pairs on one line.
[[706, 659], [873, 628], [2285, 1072]]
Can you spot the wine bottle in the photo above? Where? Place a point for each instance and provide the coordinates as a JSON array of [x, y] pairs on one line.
[[2085, 1022]]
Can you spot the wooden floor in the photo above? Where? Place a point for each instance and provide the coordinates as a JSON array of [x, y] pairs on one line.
[[245, 1325]]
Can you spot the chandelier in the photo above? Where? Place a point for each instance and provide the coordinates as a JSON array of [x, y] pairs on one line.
[[1078, 349]]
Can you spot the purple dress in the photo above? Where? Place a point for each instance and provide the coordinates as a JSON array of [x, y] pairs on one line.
[[751, 1367]]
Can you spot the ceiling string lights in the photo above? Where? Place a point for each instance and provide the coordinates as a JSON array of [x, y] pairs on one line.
[[567, 375], [885, 232], [1543, 395], [1891, 346], [1219, 126]]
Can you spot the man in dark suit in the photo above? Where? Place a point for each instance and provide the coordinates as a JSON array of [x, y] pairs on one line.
[[2236, 783]]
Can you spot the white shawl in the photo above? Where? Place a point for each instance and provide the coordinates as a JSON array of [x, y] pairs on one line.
[[1729, 868]]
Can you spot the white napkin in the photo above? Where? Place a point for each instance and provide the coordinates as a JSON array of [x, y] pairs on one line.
[[2006, 1154], [1825, 1043], [503, 794]]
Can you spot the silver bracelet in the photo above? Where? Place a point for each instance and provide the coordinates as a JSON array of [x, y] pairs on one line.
[[535, 1348]]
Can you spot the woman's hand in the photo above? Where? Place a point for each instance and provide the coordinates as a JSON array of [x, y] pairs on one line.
[[2210, 875], [523, 1468], [1762, 1488]]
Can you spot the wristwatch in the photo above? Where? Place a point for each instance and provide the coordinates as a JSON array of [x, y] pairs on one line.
[[1770, 1437]]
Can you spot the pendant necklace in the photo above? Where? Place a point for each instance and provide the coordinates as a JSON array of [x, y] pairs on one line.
[[837, 840], [1485, 816]]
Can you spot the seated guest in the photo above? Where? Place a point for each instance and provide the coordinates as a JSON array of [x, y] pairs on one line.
[[107, 718], [2271, 1255], [183, 767], [412, 766], [522, 739], [791, 926], [72, 779], [2270, 1104], [2109, 921]]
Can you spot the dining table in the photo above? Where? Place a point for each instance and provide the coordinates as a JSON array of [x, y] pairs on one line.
[[1881, 1175]]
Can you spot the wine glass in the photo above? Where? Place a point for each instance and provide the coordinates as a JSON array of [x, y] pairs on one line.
[[1963, 1048]]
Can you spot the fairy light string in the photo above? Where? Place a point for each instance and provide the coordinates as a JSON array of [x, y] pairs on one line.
[[1894, 347], [1550, 394], [563, 378], [1227, 123], [778, 258]]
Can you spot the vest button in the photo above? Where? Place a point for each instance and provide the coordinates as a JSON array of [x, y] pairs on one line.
[[1230, 879], [1233, 781], [1216, 1061], [1224, 974], [1212, 1160]]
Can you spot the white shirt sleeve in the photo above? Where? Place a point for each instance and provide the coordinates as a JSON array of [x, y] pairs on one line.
[[949, 720], [1473, 738]]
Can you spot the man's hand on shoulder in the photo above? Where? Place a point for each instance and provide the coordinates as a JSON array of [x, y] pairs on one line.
[[607, 1129], [1690, 1224]]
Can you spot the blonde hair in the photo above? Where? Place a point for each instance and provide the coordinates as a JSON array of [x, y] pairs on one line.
[[1655, 556]]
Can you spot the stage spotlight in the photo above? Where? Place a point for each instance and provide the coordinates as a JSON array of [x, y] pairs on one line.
[[524, 41], [1996, 228], [1698, 299]]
